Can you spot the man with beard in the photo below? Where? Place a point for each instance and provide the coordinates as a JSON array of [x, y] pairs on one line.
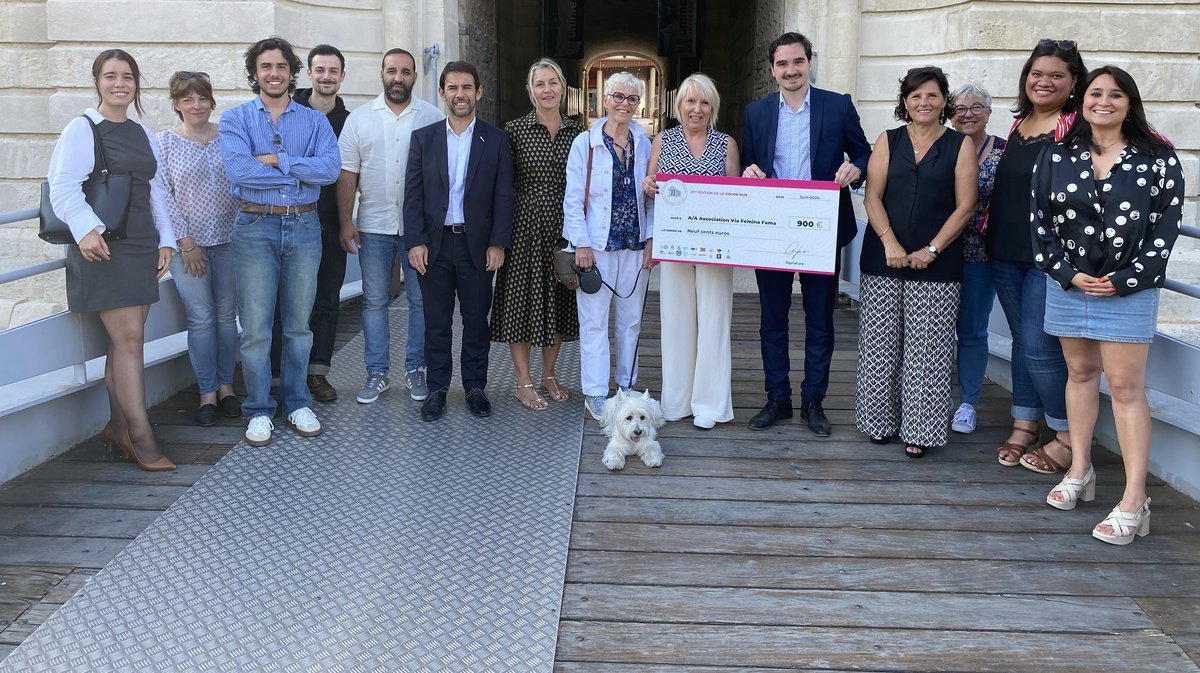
[[277, 154], [374, 147], [458, 207], [326, 71]]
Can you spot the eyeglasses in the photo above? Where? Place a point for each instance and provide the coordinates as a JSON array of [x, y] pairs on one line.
[[1065, 45], [277, 141], [975, 109], [619, 98], [186, 75]]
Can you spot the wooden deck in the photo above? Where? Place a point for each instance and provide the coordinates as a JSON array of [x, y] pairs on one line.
[[746, 551]]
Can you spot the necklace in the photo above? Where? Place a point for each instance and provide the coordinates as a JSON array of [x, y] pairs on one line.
[[1100, 149], [917, 151]]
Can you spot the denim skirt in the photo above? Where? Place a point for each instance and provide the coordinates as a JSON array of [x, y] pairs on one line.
[[1128, 319]]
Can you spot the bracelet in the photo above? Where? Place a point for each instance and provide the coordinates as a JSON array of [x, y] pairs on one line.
[[194, 246]]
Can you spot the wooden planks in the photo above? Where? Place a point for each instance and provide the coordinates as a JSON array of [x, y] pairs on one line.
[[749, 552]]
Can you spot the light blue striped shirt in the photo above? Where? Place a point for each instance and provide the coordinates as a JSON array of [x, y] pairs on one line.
[[793, 154], [304, 141]]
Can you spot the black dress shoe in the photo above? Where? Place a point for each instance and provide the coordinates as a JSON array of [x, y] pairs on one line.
[[775, 411], [478, 403], [231, 406], [206, 415], [434, 406], [812, 412]]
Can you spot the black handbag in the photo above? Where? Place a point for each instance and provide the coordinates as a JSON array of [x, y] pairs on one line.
[[107, 194]]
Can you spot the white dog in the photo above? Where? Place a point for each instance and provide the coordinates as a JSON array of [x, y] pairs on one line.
[[631, 423]]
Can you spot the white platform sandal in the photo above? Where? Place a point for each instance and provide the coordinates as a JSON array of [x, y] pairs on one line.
[[1074, 490], [1125, 525]]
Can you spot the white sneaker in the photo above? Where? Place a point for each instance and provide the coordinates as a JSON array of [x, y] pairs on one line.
[[258, 433], [305, 422], [594, 404], [703, 423], [964, 419]]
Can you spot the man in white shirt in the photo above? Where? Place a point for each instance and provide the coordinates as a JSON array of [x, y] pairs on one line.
[[374, 146]]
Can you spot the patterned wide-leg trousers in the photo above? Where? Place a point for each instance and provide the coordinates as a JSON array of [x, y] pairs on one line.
[[905, 351]]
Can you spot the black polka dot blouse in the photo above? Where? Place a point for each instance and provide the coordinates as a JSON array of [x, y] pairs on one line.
[[1122, 227]]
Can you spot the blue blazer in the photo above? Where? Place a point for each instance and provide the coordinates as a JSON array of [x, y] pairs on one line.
[[836, 134], [487, 199]]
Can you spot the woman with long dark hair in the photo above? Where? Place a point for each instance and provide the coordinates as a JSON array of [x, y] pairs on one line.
[[1047, 100], [1107, 207], [117, 279]]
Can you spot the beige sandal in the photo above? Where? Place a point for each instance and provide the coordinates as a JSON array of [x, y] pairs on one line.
[[1009, 453], [558, 394], [535, 404]]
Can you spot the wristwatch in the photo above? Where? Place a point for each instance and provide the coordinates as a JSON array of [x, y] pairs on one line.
[[932, 249]]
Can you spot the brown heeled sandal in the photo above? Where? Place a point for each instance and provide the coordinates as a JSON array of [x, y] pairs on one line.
[[1039, 459], [1009, 454], [125, 444]]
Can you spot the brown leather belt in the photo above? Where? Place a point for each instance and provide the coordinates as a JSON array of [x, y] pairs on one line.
[[263, 209]]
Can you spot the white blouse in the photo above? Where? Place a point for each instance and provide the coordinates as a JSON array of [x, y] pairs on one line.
[[71, 165], [201, 204]]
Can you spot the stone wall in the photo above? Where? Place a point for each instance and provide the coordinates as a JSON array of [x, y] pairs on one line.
[[987, 42], [477, 45]]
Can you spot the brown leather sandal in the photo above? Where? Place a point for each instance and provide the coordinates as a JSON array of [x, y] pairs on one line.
[[1009, 454], [1039, 459]]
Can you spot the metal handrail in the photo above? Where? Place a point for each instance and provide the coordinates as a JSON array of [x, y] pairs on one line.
[[14, 216]]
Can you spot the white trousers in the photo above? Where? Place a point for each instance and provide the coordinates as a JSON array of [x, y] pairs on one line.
[[696, 310], [618, 268]]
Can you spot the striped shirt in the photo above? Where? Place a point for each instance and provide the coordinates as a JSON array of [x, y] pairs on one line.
[[303, 140]]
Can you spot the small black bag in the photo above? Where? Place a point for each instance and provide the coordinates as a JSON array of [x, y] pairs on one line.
[[107, 194]]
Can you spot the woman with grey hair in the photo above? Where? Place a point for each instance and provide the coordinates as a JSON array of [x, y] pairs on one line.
[[697, 305], [608, 221], [530, 307], [970, 109]]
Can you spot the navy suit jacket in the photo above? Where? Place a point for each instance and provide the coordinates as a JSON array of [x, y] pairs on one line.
[[836, 134], [487, 199]]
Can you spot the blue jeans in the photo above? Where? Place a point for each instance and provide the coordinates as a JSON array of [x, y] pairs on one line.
[[1039, 372], [978, 295], [277, 256], [211, 305], [376, 258]]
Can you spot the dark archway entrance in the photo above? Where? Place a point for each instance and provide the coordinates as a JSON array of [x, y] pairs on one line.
[[668, 39]]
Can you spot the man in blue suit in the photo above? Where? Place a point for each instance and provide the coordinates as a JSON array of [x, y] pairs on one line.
[[458, 207], [801, 133]]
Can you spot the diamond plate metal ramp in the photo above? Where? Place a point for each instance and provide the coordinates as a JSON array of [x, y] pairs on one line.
[[384, 544]]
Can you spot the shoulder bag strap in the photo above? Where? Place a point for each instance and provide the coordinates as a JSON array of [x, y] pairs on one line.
[[587, 185], [102, 163]]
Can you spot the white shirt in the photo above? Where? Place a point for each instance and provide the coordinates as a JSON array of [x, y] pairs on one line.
[[793, 151], [458, 155], [374, 144], [71, 164]]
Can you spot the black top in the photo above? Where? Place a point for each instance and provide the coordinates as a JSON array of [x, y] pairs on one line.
[[1122, 227], [918, 199], [1008, 215], [327, 203]]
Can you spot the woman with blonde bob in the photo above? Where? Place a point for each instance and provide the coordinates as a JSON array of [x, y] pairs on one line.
[[608, 221], [697, 299], [530, 307]]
